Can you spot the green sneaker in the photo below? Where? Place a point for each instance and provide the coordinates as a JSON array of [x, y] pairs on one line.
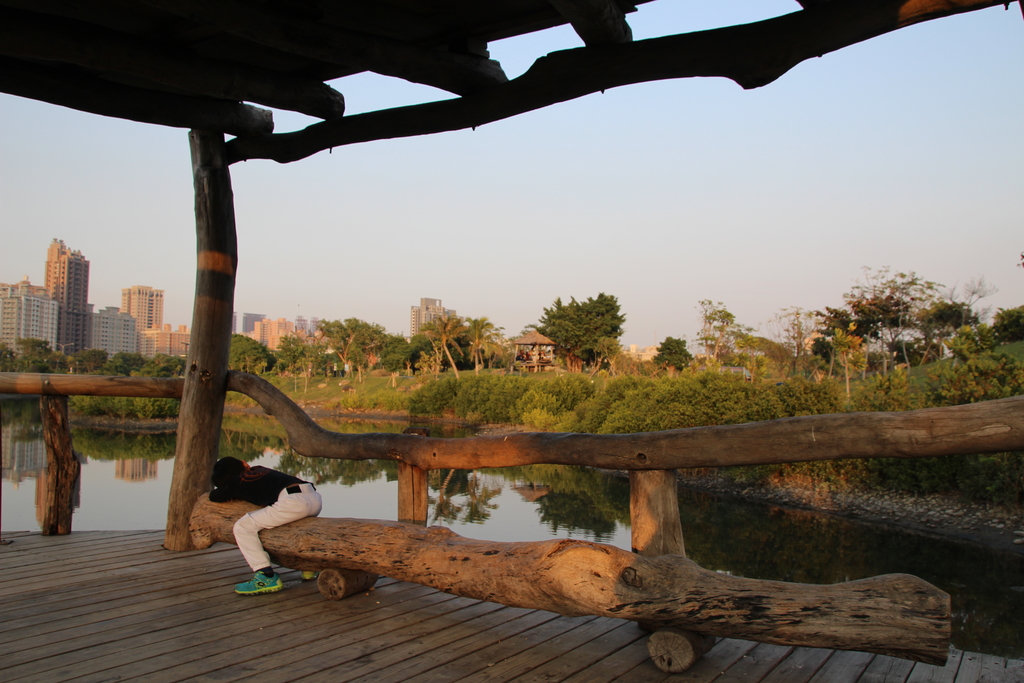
[[260, 583], [309, 576]]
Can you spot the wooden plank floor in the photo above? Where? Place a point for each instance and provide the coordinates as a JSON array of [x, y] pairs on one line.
[[106, 606]]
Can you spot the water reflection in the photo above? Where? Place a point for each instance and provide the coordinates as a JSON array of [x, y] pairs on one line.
[[126, 487]]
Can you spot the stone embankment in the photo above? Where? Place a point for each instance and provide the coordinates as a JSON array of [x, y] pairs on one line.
[[934, 514]]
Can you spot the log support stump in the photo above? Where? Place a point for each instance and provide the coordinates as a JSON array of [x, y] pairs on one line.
[[62, 467], [412, 487], [657, 530], [674, 650], [336, 583]]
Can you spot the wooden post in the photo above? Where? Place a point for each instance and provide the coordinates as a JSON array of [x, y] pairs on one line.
[[202, 401], [412, 494], [654, 513], [62, 467], [657, 530], [2, 541], [412, 487]]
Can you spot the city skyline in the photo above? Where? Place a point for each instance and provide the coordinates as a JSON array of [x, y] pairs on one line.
[[662, 194]]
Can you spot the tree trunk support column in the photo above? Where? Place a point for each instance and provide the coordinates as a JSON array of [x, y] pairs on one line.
[[412, 494], [657, 530], [62, 467], [412, 487], [654, 513], [202, 401]]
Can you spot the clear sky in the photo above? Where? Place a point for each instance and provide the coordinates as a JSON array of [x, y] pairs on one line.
[[905, 151]]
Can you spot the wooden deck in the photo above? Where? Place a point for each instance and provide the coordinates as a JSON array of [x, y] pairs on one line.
[[105, 606]]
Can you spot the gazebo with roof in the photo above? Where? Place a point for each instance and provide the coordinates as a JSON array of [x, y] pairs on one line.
[[534, 352], [204, 65]]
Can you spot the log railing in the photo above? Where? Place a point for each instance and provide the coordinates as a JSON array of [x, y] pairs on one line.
[[651, 458], [988, 427]]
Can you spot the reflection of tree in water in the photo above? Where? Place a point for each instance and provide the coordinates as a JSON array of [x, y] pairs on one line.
[[581, 499], [98, 444], [249, 445], [21, 419], [461, 497], [331, 470], [568, 499]]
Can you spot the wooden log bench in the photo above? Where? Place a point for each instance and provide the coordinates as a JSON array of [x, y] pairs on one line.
[[895, 614]]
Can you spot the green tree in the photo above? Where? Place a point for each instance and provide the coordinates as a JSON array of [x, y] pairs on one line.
[[8, 359], [580, 328], [445, 332], [248, 355], [1008, 325], [793, 329], [122, 363], [162, 365], [34, 355], [398, 354], [938, 323], [972, 341], [716, 324], [301, 354], [849, 350], [89, 360], [482, 336], [290, 354], [886, 307], [355, 342]]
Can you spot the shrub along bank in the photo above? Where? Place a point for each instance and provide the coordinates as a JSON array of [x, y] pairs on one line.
[[573, 403]]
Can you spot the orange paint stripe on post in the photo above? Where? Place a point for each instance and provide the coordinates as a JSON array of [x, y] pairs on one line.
[[217, 261]]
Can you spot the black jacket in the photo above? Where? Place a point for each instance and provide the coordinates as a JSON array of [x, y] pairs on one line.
[[257, 485]]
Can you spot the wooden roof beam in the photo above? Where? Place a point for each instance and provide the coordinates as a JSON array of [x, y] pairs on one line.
[[462, 74], [52, 39], [85, 93], [597, 22], [752, 55]]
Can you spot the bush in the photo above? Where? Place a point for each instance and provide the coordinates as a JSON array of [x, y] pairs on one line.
[[886, 393], [714, 398], [391, 401], [433, 398], [996, 478], [984, 377], [1008, 325], [490, 398], [485, 398], [126, 408]]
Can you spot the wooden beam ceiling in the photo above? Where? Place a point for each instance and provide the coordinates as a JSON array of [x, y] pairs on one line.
[[196, 63]]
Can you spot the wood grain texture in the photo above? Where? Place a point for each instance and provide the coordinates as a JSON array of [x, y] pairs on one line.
[[62, 467], [202, 401], [894, 614]]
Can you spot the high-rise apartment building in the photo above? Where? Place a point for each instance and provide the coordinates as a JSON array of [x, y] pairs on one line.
[[269, 332], [428, 310], [67, 280], [115, 331], [164, 340], [145, 304], [249, 321], [27, 312]]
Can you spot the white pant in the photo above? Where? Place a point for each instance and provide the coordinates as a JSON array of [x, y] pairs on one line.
[[288, 508]]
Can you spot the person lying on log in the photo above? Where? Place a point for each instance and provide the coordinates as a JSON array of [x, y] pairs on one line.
[[285, 499]]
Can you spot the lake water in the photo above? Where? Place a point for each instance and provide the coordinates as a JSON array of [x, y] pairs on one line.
[[126, 480]]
